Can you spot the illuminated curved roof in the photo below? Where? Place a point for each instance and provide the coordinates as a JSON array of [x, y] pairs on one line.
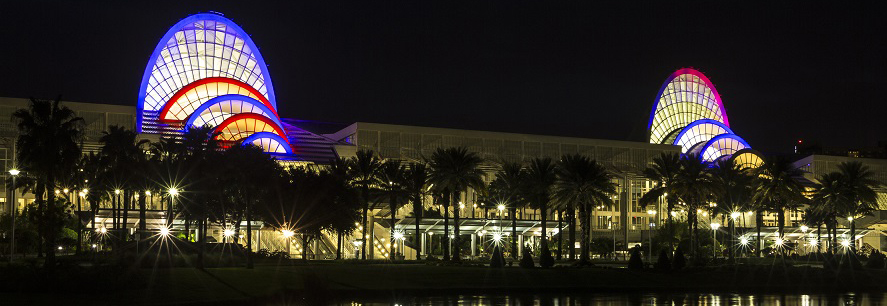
[[269, 142], [748, 159], [216, 110], [241, 126], [719, 146], [186, 100], [700, 131], [686, 96], [198, 47]]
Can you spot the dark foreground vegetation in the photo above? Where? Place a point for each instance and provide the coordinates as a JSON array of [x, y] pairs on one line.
[[277, 279]]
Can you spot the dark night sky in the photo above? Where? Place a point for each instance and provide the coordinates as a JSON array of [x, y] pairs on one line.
[[785, 71]]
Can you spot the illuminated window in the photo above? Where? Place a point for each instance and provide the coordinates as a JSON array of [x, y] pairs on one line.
[[748, 159], [191, 97], [686, 96], [721, 145], [269, 142], [218, 109], [700, 131], [243, 125]]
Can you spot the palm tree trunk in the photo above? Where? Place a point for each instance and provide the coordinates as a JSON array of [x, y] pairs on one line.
[[127, 200], [445, 242], [365, 192], [560, 236], [49, 234], [514, 241], [852, 237], [759, 218], [691, 219], [143, 217], [730, 247], [780, 218], [670, 203], [583, 245], [392, 250], [571, 214], [417, 213], [543, 245], [201, 224], [457, 250], [41, 207], [249, 236]]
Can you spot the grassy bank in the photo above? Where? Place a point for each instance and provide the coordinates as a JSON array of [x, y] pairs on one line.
[[326, 281]]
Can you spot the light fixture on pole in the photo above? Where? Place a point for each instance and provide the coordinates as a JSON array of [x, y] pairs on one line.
[[652, 213], [14, 172], [714, 240]]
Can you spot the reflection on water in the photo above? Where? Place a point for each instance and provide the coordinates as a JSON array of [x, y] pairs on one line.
[[634, 299]]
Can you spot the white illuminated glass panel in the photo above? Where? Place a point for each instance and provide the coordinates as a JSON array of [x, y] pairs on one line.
[[201, 49], [722, 146], [685, 99], [220, 111], [190, 100], [243, 128], [270, 145], [699, 132], [748, 160]]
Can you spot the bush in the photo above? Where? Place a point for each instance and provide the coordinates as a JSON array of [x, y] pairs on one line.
[[635, 262], [679, 261], [497, 260], [526, 260], [876, 260], [663, 263], [545, 259]]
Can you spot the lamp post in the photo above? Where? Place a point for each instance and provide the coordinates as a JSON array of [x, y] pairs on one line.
[[804, 230], [714, 240], [652, 214], [733, 216], [14, 172], [173, 192]]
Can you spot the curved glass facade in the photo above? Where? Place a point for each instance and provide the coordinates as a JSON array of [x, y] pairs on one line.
[[206, 71], [688, 112], [698, 132], [686, 96], [748, 159]]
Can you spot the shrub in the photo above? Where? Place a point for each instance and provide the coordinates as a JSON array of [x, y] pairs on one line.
[[663, 263], [876, 260], [545, 259], [497, 260], [526, 260], [679, 261], [635, 262]]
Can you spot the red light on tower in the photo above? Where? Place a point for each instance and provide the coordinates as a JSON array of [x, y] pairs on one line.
[[800, 141]]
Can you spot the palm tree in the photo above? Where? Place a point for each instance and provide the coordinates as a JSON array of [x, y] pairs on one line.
[[583, 183], [828, 197], [693, 185], [47, 148], [776, 188], [391, 178], [454, 170], [417, 179], [126, 156], [664, 171], [732, 193], [363, 173], [859, 183], [508, 189], [540, 179]]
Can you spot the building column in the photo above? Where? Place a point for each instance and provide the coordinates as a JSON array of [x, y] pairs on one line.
[[473, 245], [625, 209]]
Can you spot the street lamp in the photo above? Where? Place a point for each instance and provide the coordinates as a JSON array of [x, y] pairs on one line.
[[652, 213], [14, 172], [714, 240], [173, 192]]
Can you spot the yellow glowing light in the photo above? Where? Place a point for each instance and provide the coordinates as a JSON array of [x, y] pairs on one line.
[[779, 242], [497, 237], [173, 191], [500, 207], [14, 171], [845, 243], [743, 241], [288, 233], [164, 231], [228, 233], [734, 214]]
